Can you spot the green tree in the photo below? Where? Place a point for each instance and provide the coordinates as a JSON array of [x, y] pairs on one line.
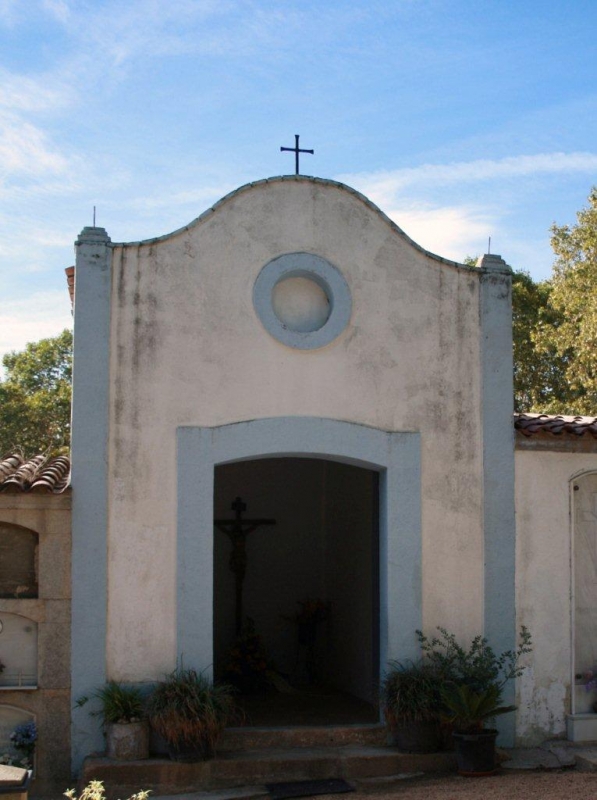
[[573, 298], [539, 372], [35, 397]]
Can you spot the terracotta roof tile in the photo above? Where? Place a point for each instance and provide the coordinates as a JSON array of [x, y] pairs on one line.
[[529, 424], [70, 279], [38, 474]]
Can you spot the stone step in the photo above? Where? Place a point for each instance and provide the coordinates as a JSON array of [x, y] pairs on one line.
[[251, 767], [251, 738]]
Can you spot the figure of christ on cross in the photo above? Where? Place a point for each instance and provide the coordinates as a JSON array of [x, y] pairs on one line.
[[237, 530]]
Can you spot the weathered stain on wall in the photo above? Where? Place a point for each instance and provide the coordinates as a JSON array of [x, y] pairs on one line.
[[188, 349], [543, 578], [542, 709]]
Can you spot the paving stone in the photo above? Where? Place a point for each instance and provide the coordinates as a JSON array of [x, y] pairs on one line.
[[531, 758], [565, 754], [586, 759]]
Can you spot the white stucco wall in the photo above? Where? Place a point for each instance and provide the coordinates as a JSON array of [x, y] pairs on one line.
[[188, 349], [543, 585]]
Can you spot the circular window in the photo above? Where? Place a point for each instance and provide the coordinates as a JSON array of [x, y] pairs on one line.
[[302, 300]]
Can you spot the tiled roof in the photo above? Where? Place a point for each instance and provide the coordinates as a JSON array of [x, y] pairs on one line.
[[39, 474], [529, 424], [70, 279]]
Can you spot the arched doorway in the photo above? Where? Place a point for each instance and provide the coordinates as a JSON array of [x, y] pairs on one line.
[[308, 651], [394, 456]]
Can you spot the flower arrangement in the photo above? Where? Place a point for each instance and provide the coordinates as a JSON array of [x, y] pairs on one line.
[[248, 665], [95, 791], [589, 679], [23, 739], [312, 611], [10, 760]]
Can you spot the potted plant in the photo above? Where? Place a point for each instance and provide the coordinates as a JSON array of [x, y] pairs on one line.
[[473, 681], [122, 710], [468, 711], [189, 712], [411, 699]]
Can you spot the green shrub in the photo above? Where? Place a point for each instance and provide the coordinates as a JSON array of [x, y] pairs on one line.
[[477, 666], [411, 692], [187, 709], [119, 703]]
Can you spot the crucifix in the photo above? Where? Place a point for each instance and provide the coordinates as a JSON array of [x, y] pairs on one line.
[[237, 530], [296, 150]]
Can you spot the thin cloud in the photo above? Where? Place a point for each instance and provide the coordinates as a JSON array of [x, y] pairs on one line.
[[204, 198], [449, 231], [59, 9], [38, 316], [387, 183], [23, 93], [25, 149]]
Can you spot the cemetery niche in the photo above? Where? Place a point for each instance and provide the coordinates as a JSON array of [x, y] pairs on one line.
[[18, 562], [13, 719], [18, 652]]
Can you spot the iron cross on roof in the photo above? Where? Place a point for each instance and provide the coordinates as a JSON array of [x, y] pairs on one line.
[[296, 150]]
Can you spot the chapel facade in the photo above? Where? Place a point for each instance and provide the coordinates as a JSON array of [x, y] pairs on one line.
[[291, 358]]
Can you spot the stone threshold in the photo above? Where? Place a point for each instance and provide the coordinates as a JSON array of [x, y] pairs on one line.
[[256, 767]]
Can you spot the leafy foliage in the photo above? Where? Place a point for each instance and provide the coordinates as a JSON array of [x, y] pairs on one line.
[[187, 709], [477, 666], [411, 692], [472, 678], [35, 397], [467, 710], [539, 372], [119, 703], [573, 298]]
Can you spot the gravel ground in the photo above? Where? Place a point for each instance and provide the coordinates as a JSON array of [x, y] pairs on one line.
[[530, 785]]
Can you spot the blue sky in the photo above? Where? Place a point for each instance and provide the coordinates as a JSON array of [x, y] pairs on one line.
[[461, 120]]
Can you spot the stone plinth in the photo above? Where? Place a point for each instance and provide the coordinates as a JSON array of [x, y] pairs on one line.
[[14, 782]]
